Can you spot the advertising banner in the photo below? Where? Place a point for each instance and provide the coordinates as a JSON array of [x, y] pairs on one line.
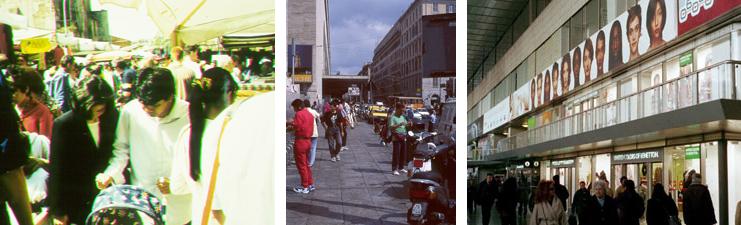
[[497, 115], [35, 45], [301, 63], [521, 100], [645, 26], [693, 13], [475, 129]]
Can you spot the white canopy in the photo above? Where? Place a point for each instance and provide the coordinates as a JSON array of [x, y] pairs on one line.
[[195, 21]]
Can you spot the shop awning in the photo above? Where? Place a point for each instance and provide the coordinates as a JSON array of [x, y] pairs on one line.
[[195, 21]]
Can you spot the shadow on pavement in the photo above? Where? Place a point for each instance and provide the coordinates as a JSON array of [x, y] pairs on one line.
[[325, 212], [397, 192], [394, 215], [360, 170], [351, 204], [374, 145]]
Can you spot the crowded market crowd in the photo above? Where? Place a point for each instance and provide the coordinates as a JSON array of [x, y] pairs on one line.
[[166, 124], [593, 204]]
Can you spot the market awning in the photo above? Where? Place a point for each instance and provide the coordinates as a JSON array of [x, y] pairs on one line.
[[195, 21]]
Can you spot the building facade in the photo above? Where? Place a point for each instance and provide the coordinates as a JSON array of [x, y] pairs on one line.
[[597, 90], [399, 59], [308, 46]]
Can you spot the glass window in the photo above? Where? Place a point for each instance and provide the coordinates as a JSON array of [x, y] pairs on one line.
[[602, 165], [628, 86], [615, 8], [712, 53], [650, 77], [734, 197], [564, 32], [686, 91], [591, 17], [602, 12], [703, 159], [577, 28]]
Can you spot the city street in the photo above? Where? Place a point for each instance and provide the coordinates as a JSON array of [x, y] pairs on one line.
[[359, 189]]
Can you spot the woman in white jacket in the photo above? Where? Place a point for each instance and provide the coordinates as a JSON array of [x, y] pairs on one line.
[[548, 209]]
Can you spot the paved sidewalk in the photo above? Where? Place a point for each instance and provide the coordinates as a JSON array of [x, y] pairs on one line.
[[359, 189]]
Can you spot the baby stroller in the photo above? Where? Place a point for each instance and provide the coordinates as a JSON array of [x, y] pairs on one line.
[[126, 204]]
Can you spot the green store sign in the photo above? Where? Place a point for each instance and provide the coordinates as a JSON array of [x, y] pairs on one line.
[[692, 152]]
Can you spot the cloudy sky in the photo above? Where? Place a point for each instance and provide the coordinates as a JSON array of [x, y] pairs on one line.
[[356, 27]]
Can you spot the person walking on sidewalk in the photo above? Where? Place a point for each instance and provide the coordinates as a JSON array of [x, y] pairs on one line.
[[488, 192], [661, 208], [548, 209], [333, 123], [630, 204], [397, 127], [581, 201], [602, 209], [315, 133], [698, 207], [507, 204], [561, 192], [346, 121], [302, 125]]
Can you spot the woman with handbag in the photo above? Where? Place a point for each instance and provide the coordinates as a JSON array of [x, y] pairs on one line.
[[661, 208], [548, 209], [397, 127]]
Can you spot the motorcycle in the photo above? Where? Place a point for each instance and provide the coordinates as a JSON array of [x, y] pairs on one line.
[[424, 150], [431, 201]]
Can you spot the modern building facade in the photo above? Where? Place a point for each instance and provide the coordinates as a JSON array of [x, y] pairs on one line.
[[399, 60], [594, 89], [308, 36]]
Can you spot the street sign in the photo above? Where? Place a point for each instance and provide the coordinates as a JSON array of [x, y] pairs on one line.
[[353, 91]]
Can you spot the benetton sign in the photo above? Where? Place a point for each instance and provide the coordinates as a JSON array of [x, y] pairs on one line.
[[562, 163], [638, 156], [693, 13]]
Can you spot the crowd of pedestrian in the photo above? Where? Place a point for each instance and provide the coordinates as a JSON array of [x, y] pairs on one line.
[[595, 204], [81, 128]]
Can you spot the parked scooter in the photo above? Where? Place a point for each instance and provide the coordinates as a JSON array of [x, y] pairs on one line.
[[431, 201]]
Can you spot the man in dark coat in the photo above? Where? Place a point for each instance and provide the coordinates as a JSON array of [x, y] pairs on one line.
[[561, 192], [630, 205], [601, 209], [488, 191], [698, 207], [581, 202]]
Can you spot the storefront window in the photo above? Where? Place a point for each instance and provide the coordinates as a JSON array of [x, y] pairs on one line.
[[687, 91], [703, 159], [584, 169], [714, 52], [602, 165], [734, 181]]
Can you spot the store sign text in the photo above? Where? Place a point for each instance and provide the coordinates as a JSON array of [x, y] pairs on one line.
[[562, 163], [645, 156]]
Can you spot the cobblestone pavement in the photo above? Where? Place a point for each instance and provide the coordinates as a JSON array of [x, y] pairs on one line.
[[359, 189]]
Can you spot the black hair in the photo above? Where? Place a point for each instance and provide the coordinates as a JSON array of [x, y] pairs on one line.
[[90, 91], [121, 64], [155, 84], [209, 90], [67, 60], [15, 152], [27, 81], [634, 13], [630, 185], [307, 104], [616, 57], [489, 174], [297, 103], [652, 4], [659, 192], [588, 46]]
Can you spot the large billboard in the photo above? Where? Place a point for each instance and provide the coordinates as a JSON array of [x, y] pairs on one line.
[[644, 27], [521, 100], [497, 115]]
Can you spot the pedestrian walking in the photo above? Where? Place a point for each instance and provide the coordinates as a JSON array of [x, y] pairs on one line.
[[35, 116], [661, 209], [82, 145], [346, 121], [581, 202], [602, 209], [561, 192], [397, 127], [315, 133], [697, 204], [488, 192], [471, 192], [303, 125], [630, 204], [507, 203], [548, 209], [332, 121]]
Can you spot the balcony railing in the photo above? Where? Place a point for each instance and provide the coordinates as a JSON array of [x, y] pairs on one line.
[[719, 81]]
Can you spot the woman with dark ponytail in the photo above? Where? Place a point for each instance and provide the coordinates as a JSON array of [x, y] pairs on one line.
[[14, 150], [210, 95]]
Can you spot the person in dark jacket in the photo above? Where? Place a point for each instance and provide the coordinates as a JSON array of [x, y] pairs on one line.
[[660, 207], [630, 205], [601, 209], [581, 202], [561, 192], [488, 191], [81, 149], [507, 204], [698, 207]]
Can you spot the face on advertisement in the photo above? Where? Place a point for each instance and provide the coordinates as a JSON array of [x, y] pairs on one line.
[[547, 86], [555, 74], [554, 87], [576, 65], [565, 70], [616, 45], [539, 83], [634, 30], [600, 45], [532, 93], [655, 22], [588, 49]]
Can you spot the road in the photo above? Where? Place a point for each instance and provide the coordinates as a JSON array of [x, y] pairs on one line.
[[359, 189]]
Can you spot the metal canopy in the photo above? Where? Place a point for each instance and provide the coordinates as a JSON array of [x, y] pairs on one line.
[[488, 20]]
